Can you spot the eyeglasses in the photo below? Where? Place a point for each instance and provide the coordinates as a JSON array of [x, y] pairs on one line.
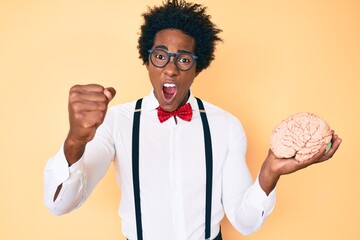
[[183, 60]]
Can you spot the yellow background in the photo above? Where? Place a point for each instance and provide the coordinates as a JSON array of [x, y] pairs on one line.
[[278, 57]]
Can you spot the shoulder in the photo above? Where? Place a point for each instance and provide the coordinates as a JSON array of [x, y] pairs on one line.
[[123, 109], [215, 111], [220, 116], [120, 113]]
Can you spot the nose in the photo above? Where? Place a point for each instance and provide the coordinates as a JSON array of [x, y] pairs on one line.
[[171, 68]]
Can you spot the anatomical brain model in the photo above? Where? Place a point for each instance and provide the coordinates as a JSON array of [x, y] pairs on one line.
[[300, 136]]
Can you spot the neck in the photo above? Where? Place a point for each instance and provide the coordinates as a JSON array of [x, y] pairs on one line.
[[186, 98]]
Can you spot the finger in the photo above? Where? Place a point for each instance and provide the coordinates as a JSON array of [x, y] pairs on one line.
[[87, 93], [321, 155], [318, 157], [87, 106], [88, 97], [87, 88], [91, 88], [109, 93], [329, 154], [336, 141]]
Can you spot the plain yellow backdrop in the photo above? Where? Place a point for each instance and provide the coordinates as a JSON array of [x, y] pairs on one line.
[[278, 57]]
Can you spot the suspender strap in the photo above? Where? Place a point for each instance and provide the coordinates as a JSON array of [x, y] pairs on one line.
[[209, 168], [135, 167]]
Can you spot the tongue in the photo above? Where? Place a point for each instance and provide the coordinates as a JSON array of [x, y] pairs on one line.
[[169, 92]]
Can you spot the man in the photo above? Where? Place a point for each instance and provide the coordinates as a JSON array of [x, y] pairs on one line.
[[180, 162]]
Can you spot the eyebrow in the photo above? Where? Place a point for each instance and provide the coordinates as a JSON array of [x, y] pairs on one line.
[[165, 48]]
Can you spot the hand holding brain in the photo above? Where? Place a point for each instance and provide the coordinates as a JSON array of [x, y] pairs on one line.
[[300, 136]]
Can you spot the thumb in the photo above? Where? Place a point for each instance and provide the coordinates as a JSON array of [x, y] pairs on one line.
[[110, 93]]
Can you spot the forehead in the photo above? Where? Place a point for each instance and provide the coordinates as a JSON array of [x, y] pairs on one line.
[[174, 40]]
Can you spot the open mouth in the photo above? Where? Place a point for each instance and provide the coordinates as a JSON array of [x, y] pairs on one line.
[[169, 91]]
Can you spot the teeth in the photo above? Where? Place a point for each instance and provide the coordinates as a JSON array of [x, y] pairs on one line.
[[169, 85]]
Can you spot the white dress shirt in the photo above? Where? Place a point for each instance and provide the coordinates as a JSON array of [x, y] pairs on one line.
[[172, 173]]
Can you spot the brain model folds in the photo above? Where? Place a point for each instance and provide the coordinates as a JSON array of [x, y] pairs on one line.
[[300, 136]]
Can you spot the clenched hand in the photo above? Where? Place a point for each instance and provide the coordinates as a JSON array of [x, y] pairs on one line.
[[87, 109]]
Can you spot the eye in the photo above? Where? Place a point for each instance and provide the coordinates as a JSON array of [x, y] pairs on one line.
[[184, 59], [160, 56]]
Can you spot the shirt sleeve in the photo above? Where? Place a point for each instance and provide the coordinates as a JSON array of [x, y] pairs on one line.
[[78, 180], [246, 204]]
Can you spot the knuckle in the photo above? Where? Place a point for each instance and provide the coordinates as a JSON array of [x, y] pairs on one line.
[[75, 88], [79, 116], [87, 124], [89, 120], [94, 87], [73, 97], [77, 107]]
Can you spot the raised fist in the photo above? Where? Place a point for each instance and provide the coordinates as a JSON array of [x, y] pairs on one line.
[[87, 109]]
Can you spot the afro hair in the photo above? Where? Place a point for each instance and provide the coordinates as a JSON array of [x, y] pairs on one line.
[[191, 19]]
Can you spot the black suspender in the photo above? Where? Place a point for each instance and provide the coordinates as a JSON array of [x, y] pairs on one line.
[[135, 168], [209, 168]]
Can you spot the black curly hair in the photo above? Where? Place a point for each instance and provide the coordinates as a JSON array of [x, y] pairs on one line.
[[191, 19]]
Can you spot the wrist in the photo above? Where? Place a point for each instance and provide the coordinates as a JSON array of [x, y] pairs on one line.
[[73, 149], [268, 178]]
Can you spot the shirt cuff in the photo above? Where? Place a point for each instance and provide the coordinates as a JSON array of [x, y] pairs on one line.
[[60, 167], [57, 171], [260, 200]]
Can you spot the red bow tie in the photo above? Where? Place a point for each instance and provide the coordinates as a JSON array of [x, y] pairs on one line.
[[183, 112]]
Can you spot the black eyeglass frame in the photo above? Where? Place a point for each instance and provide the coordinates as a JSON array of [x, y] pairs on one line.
[[175, 55]]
